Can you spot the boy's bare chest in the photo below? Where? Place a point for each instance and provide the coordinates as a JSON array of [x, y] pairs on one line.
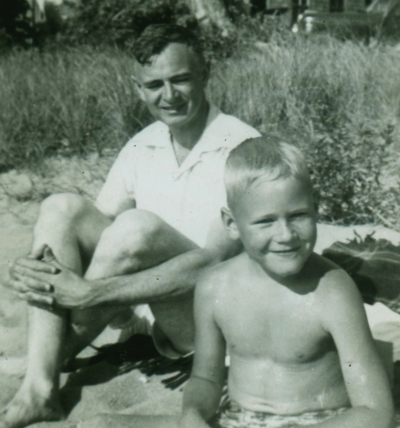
[[284, 329]]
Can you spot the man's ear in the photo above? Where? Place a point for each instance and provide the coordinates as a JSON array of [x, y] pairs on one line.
[[139, 88], [206, 73], [230, 223]]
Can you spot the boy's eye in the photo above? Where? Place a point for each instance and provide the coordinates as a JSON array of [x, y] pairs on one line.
[[265, 221]]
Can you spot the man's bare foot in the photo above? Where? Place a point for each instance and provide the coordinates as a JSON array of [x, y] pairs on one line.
[[23, 411]]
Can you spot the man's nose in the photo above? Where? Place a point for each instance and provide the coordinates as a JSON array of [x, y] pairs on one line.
[[169, 92]]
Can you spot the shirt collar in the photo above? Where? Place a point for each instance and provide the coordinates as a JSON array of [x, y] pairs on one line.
[[210, 140]]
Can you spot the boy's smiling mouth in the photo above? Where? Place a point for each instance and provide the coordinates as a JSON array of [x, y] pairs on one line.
[[286, 250]]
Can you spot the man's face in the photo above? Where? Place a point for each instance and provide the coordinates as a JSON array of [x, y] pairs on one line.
[[173, 85], [276, 222]]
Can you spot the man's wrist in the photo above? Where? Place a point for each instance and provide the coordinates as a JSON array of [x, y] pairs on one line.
[[91, 295]]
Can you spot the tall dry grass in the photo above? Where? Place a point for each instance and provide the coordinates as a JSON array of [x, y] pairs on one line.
[[70, 101], [310, 84]]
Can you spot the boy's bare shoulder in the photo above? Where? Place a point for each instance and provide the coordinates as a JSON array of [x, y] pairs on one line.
[[334, 284], [216, 279]]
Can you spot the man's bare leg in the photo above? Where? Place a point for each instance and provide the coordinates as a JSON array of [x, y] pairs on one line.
[[62, 221], [156, 242], [38, 397]]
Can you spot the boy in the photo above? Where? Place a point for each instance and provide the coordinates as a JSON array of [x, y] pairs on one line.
[[292, 322]]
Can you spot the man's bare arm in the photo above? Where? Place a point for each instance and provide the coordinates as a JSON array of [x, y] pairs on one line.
[[365, 377], [39, 282], [167, 281]]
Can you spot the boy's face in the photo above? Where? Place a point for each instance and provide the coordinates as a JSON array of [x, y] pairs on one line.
[[276, 222], [173, 85]]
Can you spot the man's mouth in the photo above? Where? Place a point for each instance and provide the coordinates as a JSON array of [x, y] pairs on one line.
[[172, 109]]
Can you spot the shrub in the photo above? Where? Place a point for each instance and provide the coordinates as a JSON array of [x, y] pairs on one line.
[[340, 102], [348, 169], [119, 22], [15, 26]]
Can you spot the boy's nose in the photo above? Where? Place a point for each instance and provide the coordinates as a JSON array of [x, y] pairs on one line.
[[285, 231]]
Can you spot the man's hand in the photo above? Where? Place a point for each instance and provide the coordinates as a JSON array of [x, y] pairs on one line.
[[48, 283]]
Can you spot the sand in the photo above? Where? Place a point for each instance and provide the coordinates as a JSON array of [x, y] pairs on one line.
[[98, 389]]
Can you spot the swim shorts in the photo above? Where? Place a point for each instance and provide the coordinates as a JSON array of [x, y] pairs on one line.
[[231, 415]]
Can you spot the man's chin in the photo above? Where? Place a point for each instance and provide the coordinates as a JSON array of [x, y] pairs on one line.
[[174, 120]]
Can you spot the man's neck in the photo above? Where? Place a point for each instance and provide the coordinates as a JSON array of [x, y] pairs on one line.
[[188, 136]]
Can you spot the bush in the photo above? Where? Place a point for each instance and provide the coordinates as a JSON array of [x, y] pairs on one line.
[[119, 22], [15, 26], [347, 166], [340, 102]]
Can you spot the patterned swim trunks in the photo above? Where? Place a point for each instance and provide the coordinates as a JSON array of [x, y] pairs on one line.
[[233, 416]]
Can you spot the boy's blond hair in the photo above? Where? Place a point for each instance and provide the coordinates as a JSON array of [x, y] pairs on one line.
[[266, 157]]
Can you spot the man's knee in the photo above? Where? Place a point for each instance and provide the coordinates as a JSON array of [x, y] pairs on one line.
[[63, 206], [134, 231]]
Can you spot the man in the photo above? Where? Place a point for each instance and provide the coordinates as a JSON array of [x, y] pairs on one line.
[[154, 228]]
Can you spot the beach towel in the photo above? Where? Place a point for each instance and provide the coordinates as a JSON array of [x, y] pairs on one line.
[[374, 265]]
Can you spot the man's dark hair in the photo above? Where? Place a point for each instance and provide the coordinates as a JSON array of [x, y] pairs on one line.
[[156, 37]]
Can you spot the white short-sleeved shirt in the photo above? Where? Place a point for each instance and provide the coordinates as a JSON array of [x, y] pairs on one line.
[[188, 197]]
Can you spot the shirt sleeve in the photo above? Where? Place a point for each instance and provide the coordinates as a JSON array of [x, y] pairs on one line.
[[117, 194]]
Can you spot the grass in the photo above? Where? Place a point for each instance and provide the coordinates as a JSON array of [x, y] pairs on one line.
[[71, 101], [339, 100], [311, 84]]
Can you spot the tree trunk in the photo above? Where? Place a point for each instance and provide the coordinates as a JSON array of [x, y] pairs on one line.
[[211, 11]]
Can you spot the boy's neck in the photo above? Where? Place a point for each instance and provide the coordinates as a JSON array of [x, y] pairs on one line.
[[300, 282]]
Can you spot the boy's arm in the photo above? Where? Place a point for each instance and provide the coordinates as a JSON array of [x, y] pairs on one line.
[[203, 391], [364, 375]]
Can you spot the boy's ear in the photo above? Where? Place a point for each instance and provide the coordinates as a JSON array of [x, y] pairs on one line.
[[230, 223]]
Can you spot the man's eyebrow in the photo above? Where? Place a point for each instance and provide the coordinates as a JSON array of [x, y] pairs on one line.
[[185, 73], [175, 76]]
